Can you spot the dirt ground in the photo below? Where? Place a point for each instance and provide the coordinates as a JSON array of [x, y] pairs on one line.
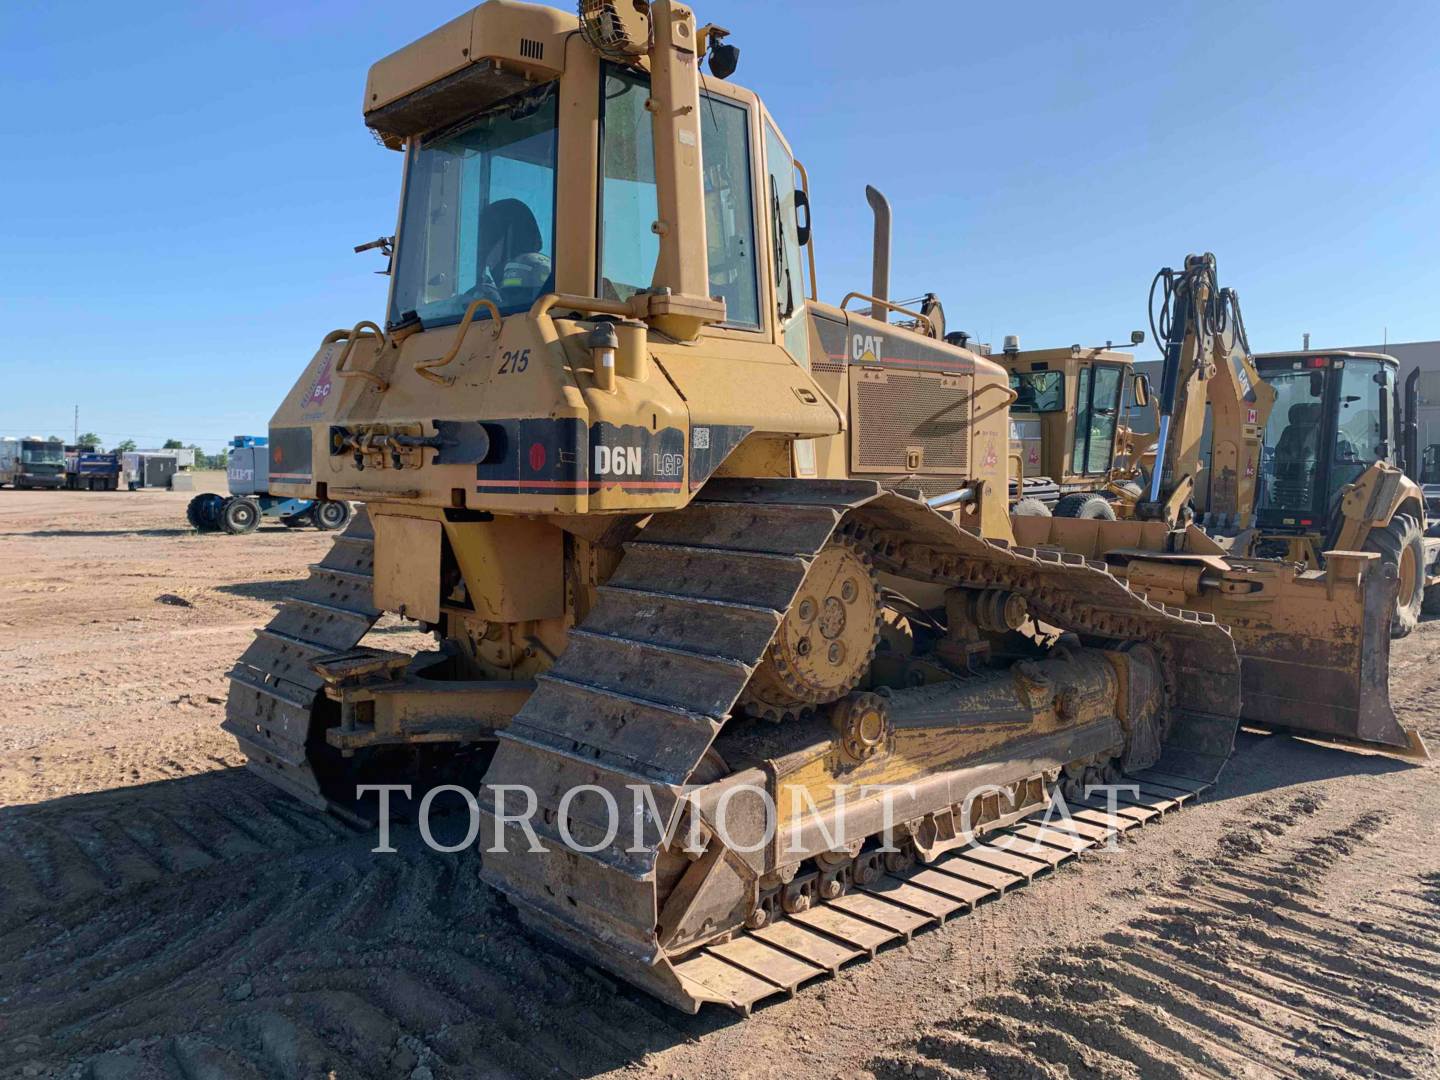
[[163, 913]]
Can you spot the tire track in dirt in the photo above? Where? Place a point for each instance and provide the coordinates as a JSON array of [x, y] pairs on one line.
[[1234, 971], [222, 930]]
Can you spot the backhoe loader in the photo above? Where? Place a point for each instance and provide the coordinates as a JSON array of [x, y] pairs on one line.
[[662, 510], [1333, 474], [1305, 448]]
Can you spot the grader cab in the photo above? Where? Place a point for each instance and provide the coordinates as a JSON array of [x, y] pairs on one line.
[[701, 550], [1068, 453]]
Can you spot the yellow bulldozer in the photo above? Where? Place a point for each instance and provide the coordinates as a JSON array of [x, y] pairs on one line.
[[741, 700]]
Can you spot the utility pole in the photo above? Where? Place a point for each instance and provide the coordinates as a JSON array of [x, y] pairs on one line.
[[76, 439]]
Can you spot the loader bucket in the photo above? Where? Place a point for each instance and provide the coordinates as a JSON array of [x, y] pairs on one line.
[[1314, 646]]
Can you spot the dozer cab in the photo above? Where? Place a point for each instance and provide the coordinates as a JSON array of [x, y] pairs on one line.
[[1067, 431], [735, 637]]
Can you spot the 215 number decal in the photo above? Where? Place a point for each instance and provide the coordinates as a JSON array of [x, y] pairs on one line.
[[516, 360]]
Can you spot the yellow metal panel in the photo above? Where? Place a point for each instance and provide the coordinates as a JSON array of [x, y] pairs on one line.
[[748, 382], [440, 52], [495, 30], [514, 568], [407, 566]]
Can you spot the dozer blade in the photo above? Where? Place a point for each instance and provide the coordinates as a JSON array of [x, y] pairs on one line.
[[1315, 648]]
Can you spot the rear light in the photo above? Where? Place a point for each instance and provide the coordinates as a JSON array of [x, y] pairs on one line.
[[1316, 362], [1306, 521]]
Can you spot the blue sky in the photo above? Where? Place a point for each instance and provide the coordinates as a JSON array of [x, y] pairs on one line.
[[183, 183]]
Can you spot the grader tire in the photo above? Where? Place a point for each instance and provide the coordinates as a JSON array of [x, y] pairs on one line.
[[1083, 505], [1431, 604], [1030, 507], [1400, 545]]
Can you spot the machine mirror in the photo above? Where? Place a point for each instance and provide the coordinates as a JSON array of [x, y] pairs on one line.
[[802, 206], [1141, 389], [1317, 384], [1137, 337], [724, 59]]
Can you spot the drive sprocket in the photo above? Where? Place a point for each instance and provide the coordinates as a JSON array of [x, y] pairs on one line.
[[826, 640]]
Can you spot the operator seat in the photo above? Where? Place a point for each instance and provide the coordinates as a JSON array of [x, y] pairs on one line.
[[1297, 455], [511, 258]]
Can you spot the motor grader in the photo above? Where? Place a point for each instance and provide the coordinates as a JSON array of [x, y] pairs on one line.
[[1068, 439], [661, 508]]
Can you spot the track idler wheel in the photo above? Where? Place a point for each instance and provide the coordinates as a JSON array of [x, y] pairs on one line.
[[826, 640]]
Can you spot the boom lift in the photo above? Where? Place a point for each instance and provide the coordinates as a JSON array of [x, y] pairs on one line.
[[662, 509]]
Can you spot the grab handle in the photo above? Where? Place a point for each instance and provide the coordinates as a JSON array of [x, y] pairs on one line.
[[350, 337], [427, 368]]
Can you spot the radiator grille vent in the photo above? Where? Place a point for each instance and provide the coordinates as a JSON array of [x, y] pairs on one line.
[[902, 417], [532, 50]]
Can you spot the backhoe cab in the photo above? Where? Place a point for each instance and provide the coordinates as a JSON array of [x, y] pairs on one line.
[[1333, 472]]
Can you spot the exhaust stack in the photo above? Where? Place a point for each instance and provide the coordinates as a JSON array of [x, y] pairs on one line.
[[880, 266]]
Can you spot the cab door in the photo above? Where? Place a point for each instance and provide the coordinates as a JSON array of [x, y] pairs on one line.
[[1097, 417]]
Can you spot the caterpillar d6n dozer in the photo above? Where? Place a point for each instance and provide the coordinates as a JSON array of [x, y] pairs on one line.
[[696, 545]]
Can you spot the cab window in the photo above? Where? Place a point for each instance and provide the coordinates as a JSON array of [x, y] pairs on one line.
[[1097, 412], [1359, 427], [479, 213], [729, 209], [628, 204], [628, 207], [785, 240], [780, 189], [1038, 391]]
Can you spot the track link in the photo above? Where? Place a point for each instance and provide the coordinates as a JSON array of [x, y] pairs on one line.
[[654, 671], [778, 959], [273, 690]]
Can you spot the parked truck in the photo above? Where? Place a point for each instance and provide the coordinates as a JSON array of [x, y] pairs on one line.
[[248, 477], [32, 462], [89, 469]]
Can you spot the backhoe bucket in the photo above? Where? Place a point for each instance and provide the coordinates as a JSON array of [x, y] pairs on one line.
[[1314, 647]]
